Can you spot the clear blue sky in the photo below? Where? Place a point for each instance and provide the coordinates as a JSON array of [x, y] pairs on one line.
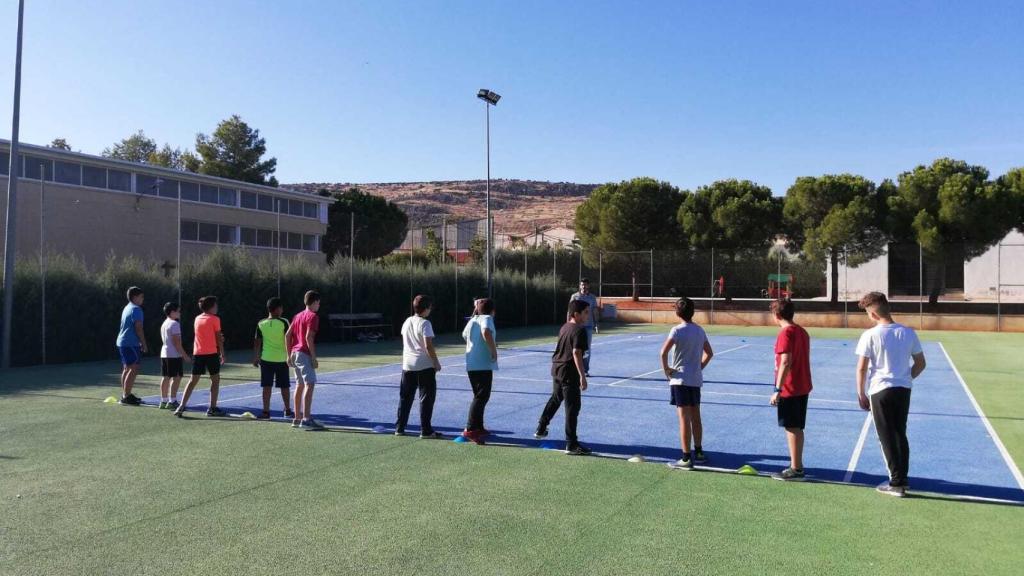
[[688, 92]]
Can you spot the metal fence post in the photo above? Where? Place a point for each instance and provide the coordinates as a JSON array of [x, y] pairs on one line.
[[554, 285], [351, 260], [712, 321], [920, 287], [526, 288], [999, 287], [42, 265], [652, 285]]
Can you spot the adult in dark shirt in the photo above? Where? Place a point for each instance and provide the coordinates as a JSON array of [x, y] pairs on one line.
[[569, 378]]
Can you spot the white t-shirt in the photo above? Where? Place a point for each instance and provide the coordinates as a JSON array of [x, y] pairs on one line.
[[415, 331], [167, 330], [689, 340], [889, 349]]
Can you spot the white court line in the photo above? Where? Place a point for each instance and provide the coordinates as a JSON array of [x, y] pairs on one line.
[[855, 457], [988, 425], [617, 382]]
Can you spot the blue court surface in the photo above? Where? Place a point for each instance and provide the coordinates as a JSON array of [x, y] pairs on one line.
[[626, 412]]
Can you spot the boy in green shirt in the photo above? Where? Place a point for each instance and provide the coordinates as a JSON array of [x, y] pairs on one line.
[[270, 355]]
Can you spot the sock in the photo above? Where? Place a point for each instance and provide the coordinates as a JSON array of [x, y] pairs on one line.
[[698, 448], [686, 455]]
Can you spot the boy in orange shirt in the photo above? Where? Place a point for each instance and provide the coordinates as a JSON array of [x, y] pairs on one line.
[[208, 355]]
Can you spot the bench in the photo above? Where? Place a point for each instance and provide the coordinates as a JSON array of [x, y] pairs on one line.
[[344, 324]]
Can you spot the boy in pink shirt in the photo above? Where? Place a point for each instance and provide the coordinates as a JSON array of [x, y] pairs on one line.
[[301, 342]]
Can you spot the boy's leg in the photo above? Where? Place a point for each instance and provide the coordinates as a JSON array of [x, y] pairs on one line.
[[795, 440], [684, 428], [266, 384], [214, 390], [406, 395], [129, 379], [192, 381], [267, 392], [300, 391], [165, 385], [902, 411], [175, 383], [428, 393], [573, 402], [552, 406], [883, 412], [696, 425], [281, 376], [309, 376]]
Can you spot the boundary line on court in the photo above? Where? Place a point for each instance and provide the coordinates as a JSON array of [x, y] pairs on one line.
[[1014, 470], [851, 468]]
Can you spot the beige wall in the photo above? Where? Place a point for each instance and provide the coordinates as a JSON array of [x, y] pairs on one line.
[[92, 223]]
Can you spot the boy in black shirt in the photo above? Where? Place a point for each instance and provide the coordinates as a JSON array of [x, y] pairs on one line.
[[568, 377]]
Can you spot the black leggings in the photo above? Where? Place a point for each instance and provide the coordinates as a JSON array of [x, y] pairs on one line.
[[889, 409], [481, 381], [569, 393], [426, 382]]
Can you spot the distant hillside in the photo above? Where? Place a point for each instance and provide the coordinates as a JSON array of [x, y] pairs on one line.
[[518, 206]]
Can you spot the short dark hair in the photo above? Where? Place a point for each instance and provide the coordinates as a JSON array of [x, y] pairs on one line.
[[170, 307], [421, 303], [133, 292], [273, 304], [206, 303], [577, 307], [483, 306], [311, 297], [684, 308], [875, 300], [783, 308], [584, 280]]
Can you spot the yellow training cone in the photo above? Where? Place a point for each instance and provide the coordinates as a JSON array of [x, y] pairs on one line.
[[747, 470], [248, 416], [111, 400]]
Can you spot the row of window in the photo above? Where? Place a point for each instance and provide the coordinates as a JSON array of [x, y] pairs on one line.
[[33, 168], [225, 234]]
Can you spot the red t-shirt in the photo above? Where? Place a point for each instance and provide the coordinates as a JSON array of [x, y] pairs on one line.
[[795, 341], [206, 328], [302, 322]]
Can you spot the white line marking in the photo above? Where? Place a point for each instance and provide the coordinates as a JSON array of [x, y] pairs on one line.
[[988, 425], [855, 457]]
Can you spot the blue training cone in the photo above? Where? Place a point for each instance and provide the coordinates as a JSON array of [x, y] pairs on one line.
[[548, 446], [378, 429], [460, 439]]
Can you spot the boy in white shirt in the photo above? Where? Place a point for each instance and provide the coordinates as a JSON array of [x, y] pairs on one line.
[[889, 358], [172, 357], [419, 369], [691, 354]]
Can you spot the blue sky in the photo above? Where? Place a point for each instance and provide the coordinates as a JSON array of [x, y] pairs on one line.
[[688, 92]]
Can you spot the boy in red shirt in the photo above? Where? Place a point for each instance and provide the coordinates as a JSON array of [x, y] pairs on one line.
[[207, 355], [792, 385]]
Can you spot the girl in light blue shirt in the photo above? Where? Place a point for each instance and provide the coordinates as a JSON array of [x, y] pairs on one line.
[[481, 361]]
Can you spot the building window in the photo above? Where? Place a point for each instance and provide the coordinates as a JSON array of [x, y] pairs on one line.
[[227, 197], [248, 236], [266, 203], [118, 180], [207, 232], [146, 184], [227, 234], [35, 167], [265, 238], [310, 210], [248, 199], [168, 188], [282, 205], [190, 191], [208, 194], [94, 177], [68, 173], [294, 241], [189, 230], [309, 242], [295, 207], [5, 163]]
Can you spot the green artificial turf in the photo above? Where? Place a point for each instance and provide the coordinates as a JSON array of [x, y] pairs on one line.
[[92, 488]]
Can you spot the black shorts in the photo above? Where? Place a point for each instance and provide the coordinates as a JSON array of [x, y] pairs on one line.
[[685, 395], [172, 367], [793, 411], [206, 363], [273, 371]]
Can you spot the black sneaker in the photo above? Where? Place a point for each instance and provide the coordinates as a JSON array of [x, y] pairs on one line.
[[289, 414], [578, 450], [216, 412], [435, 435], [890, 490], [400, 432], [699, 457], [130, 400], [684, 463], [789, 475], [265, 415], [542, 432]]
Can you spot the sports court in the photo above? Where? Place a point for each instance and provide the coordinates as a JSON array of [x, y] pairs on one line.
[[626, 412]]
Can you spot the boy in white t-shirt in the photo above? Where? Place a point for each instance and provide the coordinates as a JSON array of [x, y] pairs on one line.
[[419, 369], [691, 353], [889, 358], [172, 357]]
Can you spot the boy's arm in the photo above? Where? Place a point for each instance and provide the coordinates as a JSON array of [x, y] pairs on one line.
[[431, 352], [489, 338], [918, 366], [785, 362], [288, 342], [141, 335], [176, 340], [665, 348], [220, 347], [257, 349], [577, 359], [311, 344], [708, 354], [862, 374]]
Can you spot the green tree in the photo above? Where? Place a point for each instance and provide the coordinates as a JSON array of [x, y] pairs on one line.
[[174, 158], [434, 251], [60, 144], [633, 215], [380, 225], [136, 148], [837, 217], [950, 203], [235, 151], [478, 249], [730, 215], [1013, 184]]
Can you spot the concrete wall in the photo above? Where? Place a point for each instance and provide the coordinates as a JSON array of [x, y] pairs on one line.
[[872, 276], [92, 223], [1006, 265]]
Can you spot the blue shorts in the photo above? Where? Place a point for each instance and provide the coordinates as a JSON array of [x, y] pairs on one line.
[[685, 395], [130, 355]]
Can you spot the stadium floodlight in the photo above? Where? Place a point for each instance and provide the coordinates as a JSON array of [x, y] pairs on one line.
[[490, 99]]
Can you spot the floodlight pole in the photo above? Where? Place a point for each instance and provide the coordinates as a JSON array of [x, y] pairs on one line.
[[490, 237], [12, 196]]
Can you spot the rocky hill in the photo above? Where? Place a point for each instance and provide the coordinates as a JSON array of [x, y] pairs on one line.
[[518, 206]]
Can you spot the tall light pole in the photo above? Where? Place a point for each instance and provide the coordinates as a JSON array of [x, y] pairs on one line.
[[12, 196], [490, 99]]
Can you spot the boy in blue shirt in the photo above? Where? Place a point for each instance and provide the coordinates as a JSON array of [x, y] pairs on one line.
[[131, 345]]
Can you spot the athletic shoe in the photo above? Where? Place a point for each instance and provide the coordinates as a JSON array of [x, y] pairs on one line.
[[683, 463], [578, 450], [476, 436], [173, 405], [542, 432], [130, 400], [179, 412], [789, 475], [889, 490], [399, 432], [163, 405], [216, 413], [295, 423], [435, 435], [311, 425], [265, 415], [289, 414], [699, 457]]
